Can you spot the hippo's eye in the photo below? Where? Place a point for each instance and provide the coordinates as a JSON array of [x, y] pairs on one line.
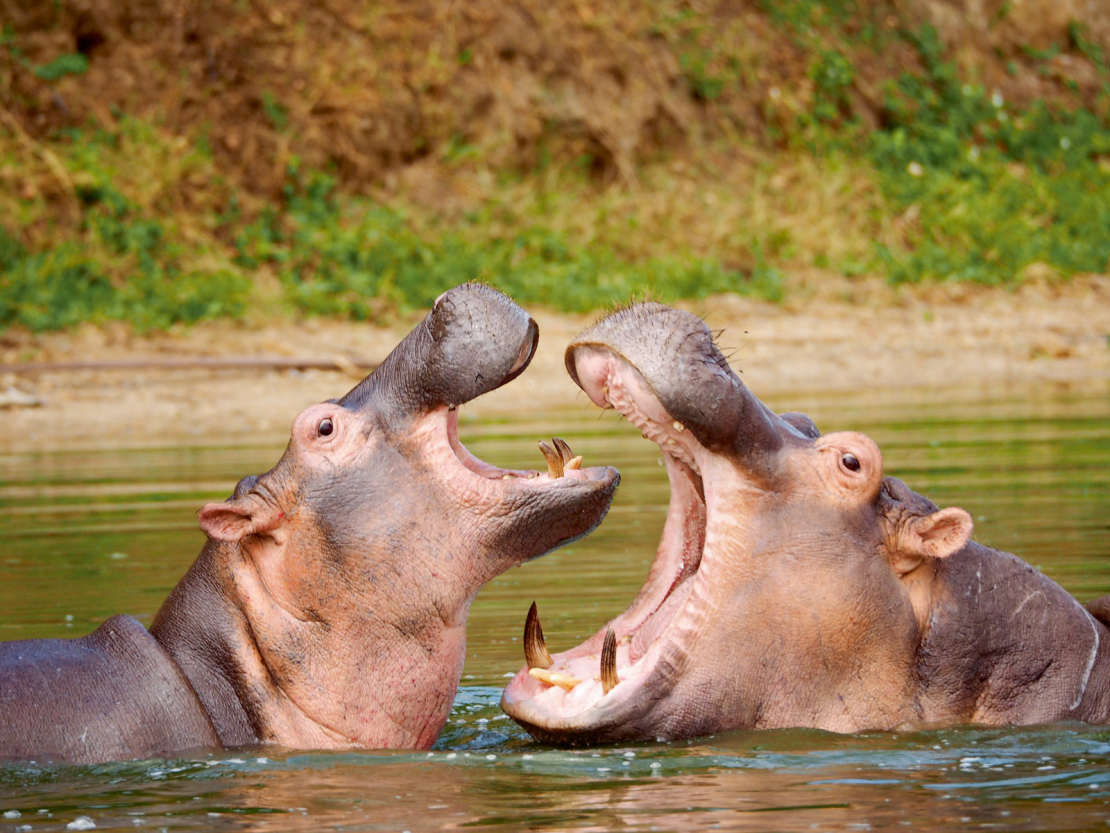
[[849, 461], [325, 428]]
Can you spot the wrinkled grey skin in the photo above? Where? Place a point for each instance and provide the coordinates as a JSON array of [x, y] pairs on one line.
[[328, 607], [797, 586]]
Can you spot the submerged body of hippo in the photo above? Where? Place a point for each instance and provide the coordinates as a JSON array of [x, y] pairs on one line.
[[795, 585], [328, 607]]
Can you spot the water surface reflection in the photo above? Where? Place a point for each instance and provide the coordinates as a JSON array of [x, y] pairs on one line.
[[92, 534], [1036, 779]]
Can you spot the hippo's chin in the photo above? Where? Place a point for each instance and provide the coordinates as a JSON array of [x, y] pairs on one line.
[[574, 699]]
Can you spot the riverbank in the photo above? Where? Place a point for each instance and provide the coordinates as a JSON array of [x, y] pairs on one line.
[[844, 336]]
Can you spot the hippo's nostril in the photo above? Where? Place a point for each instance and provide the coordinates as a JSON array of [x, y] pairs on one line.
[[527, 349]]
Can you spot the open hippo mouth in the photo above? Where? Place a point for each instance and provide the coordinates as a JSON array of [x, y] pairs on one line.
[[677, 389], [585, 492], [574, 682], [474, 341], [561, 461]]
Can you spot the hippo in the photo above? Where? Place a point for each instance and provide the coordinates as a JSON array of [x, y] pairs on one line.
[[328, 607], [795, 585]]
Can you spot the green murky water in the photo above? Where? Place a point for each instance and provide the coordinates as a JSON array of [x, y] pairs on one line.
[[87, 535]]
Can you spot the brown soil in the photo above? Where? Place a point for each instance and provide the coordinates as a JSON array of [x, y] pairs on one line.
[[394, 91], [863, 336]]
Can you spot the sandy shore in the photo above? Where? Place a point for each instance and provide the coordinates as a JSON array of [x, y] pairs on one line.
[[852, 336]]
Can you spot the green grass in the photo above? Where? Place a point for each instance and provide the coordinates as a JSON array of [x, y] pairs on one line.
[[343, 256], [994, 190], [73, 282], [133, 255]]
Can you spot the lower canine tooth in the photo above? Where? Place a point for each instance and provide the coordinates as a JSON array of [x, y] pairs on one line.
[[573, 463], [565, 681], [563, 449], [554, 460], [535, 651], [609, 678], [678, 426]]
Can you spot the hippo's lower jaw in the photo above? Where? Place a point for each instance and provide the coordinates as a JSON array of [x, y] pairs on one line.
[[574, 700], [553, 507]]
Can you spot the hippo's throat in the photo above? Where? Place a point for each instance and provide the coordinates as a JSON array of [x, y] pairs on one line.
[[659, 622]]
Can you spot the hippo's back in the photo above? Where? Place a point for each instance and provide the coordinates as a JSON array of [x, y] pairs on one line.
[[112, 695], [1008, 645]]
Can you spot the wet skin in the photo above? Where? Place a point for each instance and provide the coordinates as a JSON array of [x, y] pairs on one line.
[[795, 585], [328, 606]]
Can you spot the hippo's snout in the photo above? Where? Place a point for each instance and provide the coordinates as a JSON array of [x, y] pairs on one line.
[[474, 340], [671, 355], [482, 340]]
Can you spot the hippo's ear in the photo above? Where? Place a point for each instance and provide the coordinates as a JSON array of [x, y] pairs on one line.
[[938, 534], [237, 518]]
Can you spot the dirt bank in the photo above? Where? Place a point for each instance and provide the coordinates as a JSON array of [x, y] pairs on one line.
[[849, 336], [386, 91]]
